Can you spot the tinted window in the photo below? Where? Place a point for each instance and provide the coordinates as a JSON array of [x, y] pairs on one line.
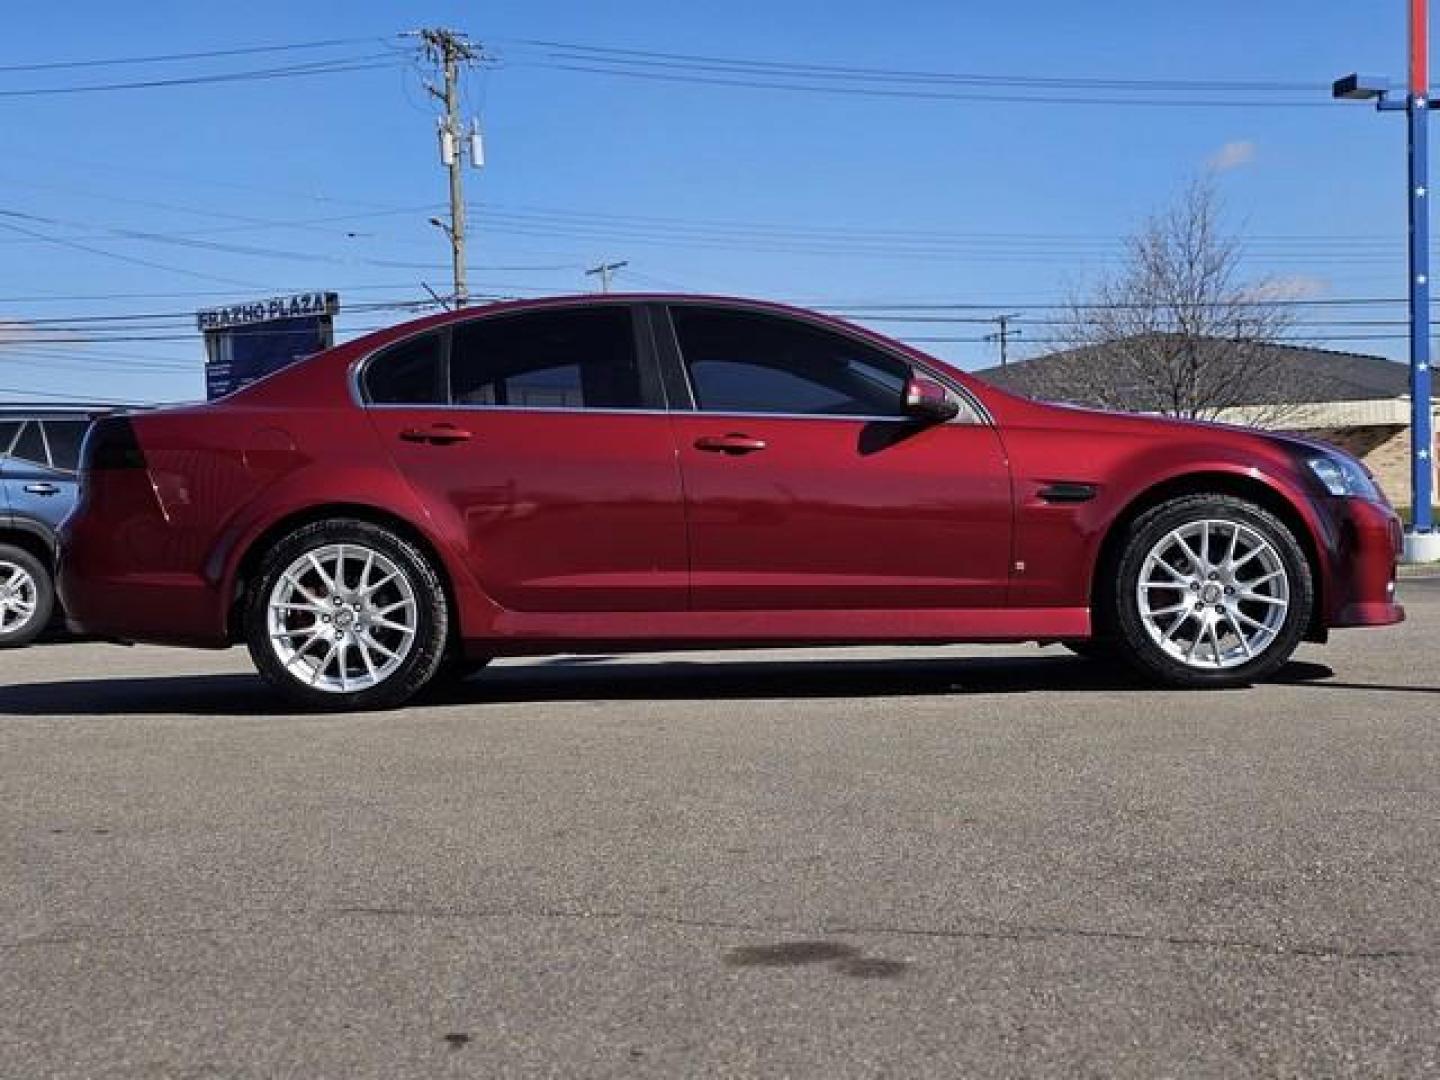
[[8, 428], [64, 437], [573, 359], [743, 362], [407, 373], [31, 445]]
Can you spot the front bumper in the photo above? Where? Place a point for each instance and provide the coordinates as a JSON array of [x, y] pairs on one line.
[[1368, 539]]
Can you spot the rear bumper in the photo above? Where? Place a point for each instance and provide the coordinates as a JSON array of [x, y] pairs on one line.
[[1368, 540], [106, 595]]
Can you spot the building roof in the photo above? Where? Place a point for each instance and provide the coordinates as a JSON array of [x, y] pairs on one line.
[[1291, 373]]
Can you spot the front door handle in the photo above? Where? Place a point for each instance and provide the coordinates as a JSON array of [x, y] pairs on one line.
[[733, 444], [436, 434], [42, 489]]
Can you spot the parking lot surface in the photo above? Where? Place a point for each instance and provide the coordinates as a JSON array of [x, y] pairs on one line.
[[952, 862]]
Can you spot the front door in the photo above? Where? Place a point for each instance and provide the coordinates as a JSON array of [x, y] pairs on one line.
[[543, 435], [808, 487]]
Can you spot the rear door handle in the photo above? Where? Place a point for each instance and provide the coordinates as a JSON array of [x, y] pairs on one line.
[[42, 489], [733, 444], [436, 434]]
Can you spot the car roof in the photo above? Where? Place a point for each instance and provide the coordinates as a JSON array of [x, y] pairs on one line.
[[55, 412]]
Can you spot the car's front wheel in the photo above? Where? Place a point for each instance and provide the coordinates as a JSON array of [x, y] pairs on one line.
[[1211, 590], [347, 614], [27, 597]]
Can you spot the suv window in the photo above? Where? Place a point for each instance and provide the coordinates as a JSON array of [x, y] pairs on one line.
[[408, 373], [8, 428], [65, 437], [31, 445], [575, 358], [741, 361]]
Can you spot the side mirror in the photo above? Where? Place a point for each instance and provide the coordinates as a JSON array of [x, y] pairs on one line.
[[926, 399]]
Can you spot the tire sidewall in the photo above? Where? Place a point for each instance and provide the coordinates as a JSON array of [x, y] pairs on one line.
[[44, 597], [1145, 654], [432, 616]]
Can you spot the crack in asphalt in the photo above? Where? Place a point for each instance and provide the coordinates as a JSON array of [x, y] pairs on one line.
[[1006, 934]]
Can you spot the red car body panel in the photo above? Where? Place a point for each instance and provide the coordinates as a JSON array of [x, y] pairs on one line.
[[559, 530]]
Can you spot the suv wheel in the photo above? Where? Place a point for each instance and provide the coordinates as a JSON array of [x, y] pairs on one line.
[[1211, 591], [347, 615], [27, 597]]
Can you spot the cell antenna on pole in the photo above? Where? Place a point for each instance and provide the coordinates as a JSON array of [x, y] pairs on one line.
[[448, 50]]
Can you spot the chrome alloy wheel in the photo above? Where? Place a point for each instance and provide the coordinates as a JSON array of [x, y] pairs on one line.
[[1213, 594], [342, 618], [19, 597]]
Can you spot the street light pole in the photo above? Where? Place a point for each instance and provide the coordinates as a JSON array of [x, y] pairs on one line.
[[1423, 543]]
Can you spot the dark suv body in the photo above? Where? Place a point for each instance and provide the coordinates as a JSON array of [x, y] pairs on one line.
[[39, 459]]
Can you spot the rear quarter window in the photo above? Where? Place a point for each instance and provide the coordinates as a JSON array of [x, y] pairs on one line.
[[65, 437], [407, 373]]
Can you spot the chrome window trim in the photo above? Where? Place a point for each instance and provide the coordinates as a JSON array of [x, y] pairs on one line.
[[696, 413], [980, 415]]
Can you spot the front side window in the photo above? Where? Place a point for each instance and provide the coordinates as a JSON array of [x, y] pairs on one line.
[[572, 359], [741, 361], [407, 373], [8, 430]]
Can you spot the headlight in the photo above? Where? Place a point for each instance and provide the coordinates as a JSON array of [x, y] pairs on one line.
[[1343, 476]]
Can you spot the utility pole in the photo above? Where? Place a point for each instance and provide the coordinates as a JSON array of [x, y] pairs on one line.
[[1003, 335], [449, 49], [606, 271]]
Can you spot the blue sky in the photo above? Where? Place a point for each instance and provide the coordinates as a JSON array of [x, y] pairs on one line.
[[321, 180]]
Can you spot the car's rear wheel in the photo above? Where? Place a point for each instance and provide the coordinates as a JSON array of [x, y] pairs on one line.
[[347, 614], [1211, 590], [27, 597]]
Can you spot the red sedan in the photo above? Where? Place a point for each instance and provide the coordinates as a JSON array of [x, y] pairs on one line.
[[642, 472]]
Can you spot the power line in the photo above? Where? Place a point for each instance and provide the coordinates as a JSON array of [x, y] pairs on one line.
[[163, 58], [368, 62]]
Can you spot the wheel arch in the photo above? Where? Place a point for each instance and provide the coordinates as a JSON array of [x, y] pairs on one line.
[[255, 550], [30, 539], [1238, 485]]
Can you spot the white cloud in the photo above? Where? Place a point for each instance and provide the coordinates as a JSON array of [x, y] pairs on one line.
[[1291, 287], [1233, 155]]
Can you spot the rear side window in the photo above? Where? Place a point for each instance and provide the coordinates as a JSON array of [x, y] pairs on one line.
[[740, 361], [65, 437], [31, 445], [574, 359], [409, 373]]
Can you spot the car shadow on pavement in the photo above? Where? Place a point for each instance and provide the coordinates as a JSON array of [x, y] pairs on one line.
[[665, 680]]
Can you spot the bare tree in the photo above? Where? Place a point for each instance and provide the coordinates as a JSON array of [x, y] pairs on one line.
[[1177, 331]]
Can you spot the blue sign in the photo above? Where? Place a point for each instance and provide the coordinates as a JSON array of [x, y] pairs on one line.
[[246, 342]]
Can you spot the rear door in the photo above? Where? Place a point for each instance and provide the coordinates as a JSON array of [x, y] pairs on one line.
[[809, 487], [543, 434], [40, 480]]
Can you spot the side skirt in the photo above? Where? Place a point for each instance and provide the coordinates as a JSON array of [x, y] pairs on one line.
[[517, 633]]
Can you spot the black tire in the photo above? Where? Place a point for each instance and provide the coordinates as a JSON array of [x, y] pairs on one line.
[[426, 652], [1140, 650], [25, 631]]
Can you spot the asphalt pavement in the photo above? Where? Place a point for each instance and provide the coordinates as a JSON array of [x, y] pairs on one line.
[[928, 862]]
